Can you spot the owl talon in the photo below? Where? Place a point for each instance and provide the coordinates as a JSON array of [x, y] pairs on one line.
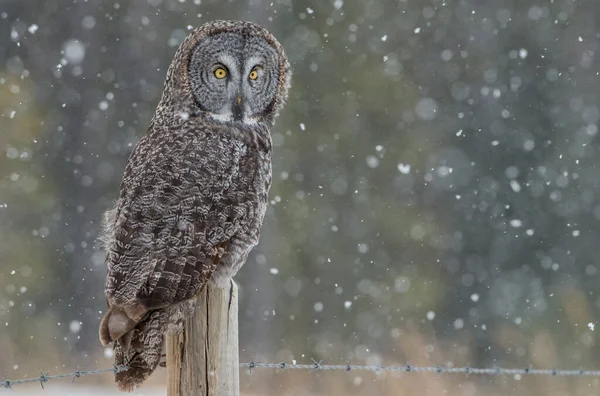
[[163, 360], [217, 253]]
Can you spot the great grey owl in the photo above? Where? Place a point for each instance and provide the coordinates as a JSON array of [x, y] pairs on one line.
[[194, 191]]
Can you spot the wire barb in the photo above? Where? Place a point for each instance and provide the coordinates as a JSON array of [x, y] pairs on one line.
[[316, 365], [43, 378]]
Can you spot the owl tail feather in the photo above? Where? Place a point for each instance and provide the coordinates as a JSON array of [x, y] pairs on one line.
[[143, 351], [114, 325]]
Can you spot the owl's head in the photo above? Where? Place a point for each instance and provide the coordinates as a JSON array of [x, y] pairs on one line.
[[230, 72]]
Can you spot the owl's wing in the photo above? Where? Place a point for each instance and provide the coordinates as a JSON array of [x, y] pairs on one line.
[[172, 224]]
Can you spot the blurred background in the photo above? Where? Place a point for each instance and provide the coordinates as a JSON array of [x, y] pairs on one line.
[[435, 196]]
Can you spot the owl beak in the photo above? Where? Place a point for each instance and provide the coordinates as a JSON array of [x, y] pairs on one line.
[[238, 109]]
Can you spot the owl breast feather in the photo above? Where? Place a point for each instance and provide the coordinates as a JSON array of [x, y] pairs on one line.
[[190, 201]]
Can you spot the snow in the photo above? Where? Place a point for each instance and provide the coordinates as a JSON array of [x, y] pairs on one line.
[[435, 183], [426, 109], [404, 168], [74, 51], [523, 53], [516, 223]]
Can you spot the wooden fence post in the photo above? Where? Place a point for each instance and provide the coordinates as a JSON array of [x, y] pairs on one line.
[[203, 359]]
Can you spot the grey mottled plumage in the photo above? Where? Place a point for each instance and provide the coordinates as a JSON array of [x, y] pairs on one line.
[[194, 191]]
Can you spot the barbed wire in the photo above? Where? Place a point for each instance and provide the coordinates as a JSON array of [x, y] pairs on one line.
[[317, 366], [423, 369], [76, 374]]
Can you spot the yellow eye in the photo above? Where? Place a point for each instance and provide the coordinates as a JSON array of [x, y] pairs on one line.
[[253, 75], [220, 72]]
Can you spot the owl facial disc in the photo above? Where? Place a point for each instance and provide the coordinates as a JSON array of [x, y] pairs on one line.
[[234, 77]]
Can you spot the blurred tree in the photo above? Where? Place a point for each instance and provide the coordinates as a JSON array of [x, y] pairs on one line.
[[435, 175]]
